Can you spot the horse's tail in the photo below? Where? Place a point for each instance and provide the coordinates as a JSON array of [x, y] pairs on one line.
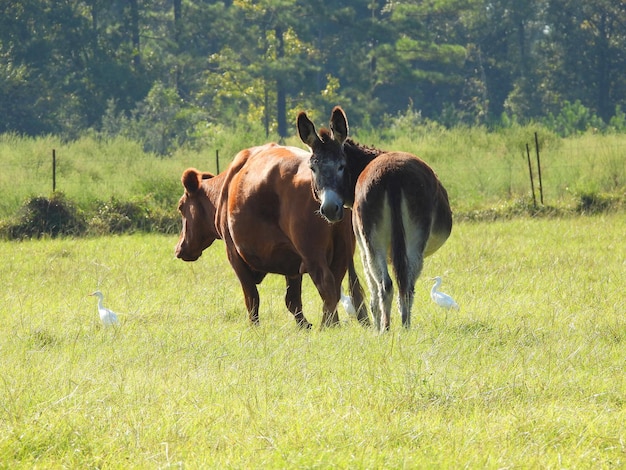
[[399, 256]]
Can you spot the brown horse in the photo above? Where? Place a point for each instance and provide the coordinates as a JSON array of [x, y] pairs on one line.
[[399, 208], [263, 209]]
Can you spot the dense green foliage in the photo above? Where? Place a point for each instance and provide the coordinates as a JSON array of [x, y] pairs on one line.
[[528, 374], [168, 73]]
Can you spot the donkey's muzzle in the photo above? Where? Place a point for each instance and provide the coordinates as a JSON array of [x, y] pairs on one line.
[[331, 206]]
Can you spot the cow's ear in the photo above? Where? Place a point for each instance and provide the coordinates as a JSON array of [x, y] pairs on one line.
[[207, 176], [191, 180]]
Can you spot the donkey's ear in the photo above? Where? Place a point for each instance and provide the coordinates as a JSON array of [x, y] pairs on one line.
[[306, 130], [339, 124]]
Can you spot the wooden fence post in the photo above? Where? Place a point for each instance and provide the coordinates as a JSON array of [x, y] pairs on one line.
[[539, 169], [54, 170], [530, 171]]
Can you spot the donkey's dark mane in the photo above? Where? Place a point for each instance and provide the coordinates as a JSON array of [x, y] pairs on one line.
[[369, 152], [326, 135]]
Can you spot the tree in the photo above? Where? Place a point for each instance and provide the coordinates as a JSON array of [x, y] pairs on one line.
[[585, 54], [71, 58], [422, 62], [66, 64], [505, 34]]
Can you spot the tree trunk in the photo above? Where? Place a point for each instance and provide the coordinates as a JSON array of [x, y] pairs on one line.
[[177, 34], [603, 71], [281, 98], [134, 27]]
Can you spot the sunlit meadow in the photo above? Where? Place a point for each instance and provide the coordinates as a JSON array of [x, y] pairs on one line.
[[480, 169], [529, 373]]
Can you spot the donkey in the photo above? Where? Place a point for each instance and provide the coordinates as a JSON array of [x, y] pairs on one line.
[[399, 208]]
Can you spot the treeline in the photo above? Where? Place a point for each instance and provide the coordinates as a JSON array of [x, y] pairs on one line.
[[169, 72]]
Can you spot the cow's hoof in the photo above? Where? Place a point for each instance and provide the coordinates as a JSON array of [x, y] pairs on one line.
[[304, 325]]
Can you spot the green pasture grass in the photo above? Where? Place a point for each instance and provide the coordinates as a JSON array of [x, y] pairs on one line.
[[91, 169], [484, 169], [529, 373], [480, 169]]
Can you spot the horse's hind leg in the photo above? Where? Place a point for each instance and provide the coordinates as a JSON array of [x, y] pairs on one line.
[[405, 301], [374, 257], [406, 289], [385, 296], [293, 300], [371, 285]]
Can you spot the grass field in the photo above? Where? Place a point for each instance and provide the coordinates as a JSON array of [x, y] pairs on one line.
[[528, 374], [480, 169]]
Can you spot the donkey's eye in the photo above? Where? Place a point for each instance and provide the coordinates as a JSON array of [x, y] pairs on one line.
[[341, 168]]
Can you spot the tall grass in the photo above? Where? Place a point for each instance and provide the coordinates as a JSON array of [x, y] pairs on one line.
[[480, 169], [484, 169], [529, 373], [92, 169]]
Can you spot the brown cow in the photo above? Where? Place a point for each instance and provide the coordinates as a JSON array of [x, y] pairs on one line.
[[263, 209]]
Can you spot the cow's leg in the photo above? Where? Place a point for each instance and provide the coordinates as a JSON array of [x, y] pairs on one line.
[[330, 292], [293, 300], [251, 296], [248, 281]]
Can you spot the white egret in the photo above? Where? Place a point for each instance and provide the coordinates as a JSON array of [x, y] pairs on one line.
[[107, 316], [346, 301], [441, 299]]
